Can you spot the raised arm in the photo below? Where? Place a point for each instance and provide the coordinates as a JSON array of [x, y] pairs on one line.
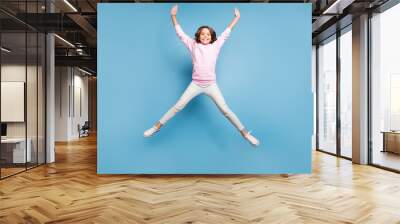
[[235, 19], [224, 35], [174, 11], [187, 41]]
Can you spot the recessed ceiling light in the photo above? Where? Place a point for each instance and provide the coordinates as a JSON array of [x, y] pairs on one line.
[[5, 49], [64, 40], [70, 5], [338, 6], [84, 71]]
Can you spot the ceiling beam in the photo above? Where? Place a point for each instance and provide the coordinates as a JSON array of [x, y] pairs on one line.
[[83, 61], [83, 23]]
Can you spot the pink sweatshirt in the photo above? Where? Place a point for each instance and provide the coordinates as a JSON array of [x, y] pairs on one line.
[[204, 57]]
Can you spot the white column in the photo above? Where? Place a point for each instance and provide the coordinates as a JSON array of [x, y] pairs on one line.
[[50, 92], [360, 90]]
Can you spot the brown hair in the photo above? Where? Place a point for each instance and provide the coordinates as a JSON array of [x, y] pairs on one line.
[[212, 32]]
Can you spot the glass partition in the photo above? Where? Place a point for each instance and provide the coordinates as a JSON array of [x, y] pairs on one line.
[[22, 89], [14, 153]]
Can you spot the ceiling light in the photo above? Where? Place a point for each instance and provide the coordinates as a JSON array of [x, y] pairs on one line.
[[338, 6], [331, 7], [70, 5], [84, 71], [65, 41], [5, 49]]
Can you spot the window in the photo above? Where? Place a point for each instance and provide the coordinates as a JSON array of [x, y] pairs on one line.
[[385, 89], [346, 92], [327, 95]]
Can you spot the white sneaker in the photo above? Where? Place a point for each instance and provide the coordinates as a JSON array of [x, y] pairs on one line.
[[150, 132], [253, 140]]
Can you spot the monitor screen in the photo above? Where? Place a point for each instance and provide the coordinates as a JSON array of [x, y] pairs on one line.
[[3, 129]]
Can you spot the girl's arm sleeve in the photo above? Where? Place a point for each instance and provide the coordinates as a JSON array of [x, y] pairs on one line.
[[187, 41], [223, 37]]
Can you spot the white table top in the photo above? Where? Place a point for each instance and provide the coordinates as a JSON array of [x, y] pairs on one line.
[[13, 140]]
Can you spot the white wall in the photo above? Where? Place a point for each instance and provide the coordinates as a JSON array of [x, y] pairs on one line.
[[71, 87], [62, 81], [79, 111], [16, 72]]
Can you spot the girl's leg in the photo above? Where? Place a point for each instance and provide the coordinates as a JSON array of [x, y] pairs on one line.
[[191, 91], [216, 95]]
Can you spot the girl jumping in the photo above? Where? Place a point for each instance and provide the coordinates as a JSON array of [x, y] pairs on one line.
[[204, 50]]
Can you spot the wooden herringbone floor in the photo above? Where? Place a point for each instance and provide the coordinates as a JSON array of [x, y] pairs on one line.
[[70, 191]]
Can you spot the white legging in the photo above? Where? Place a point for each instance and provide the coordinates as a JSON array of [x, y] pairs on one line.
[[210, 90]]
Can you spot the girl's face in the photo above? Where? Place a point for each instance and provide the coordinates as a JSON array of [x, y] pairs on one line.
[[205, 36]]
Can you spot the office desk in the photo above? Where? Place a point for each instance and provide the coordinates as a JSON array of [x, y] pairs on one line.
[[15, 148], [391, 141]]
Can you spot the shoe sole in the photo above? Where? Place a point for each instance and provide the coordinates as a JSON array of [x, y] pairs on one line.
[[144, 135]]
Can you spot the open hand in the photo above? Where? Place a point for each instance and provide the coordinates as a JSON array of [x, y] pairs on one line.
[[237, 13], [174, 10]]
